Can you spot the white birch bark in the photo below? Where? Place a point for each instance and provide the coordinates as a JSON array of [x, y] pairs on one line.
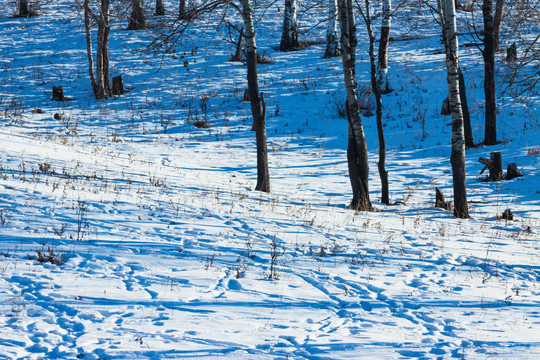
[[457, 158], [289, 36], [332, 48]]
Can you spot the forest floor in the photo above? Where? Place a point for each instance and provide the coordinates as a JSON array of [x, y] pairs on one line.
[[128, 232]]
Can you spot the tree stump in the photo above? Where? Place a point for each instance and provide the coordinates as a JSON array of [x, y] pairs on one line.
[[511, 53], [494, 165], [58, 93], [246, 95], [512, 171], [439, 200], [118, 85], [507, 215], [445, 110]]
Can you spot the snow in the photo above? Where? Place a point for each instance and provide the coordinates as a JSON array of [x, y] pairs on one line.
[[167, 247]]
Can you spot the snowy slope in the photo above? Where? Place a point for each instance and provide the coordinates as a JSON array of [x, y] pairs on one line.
[[166, 248]]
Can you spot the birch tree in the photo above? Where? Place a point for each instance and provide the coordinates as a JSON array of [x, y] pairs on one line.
[[332, 46], [383, 174], [469, 139], [457, 158], [99, 77], [357, 155], [258, 105], [289, 35]]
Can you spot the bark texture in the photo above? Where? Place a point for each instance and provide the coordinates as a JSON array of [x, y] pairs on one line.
[[490, 135], [160, 8], [497, 22], [357, 152], [332, 46], [457, 158], [382, 67], [99, 78], [289, 36], [23, 8], [383, 174], [258, 106], [136, 18], [182, 14]]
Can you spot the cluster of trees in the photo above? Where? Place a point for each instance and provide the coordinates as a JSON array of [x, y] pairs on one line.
[[344, 12]]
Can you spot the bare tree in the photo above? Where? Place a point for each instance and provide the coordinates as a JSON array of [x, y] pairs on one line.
[[258, 106], [357, 155], [383, 47], [488, 53], [497, 22], [332, 46], [383, 174], [100, 80], [457, 158], [289, 36], [469, 139]]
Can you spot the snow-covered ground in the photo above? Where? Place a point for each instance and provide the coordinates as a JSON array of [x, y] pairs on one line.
[[166, 249]]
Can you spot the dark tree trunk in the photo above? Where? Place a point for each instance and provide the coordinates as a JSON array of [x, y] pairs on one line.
[[118, 85], [238, 52], [89, 47], [383, 174], [357, 153], [136, 18], [23, 8], [382, 66], [497, 22], [511, 52], [160, 8], [258, 105], [490, 135], [289, 36], [183, 12], [469, 139], [494, 164]]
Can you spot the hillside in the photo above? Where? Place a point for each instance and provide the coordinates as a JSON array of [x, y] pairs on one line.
[[129, 233]]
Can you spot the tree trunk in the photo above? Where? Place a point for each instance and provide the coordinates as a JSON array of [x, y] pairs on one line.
[[378, 98], [469, 139], [457, 158], [238, 52], [160, 8], [358, 155], [136, 18], [497, 22], [332, 47], [86, 6], [382, 67], [258, 105], [183, 12], [289, 36], [23, 8], [490, 135]]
